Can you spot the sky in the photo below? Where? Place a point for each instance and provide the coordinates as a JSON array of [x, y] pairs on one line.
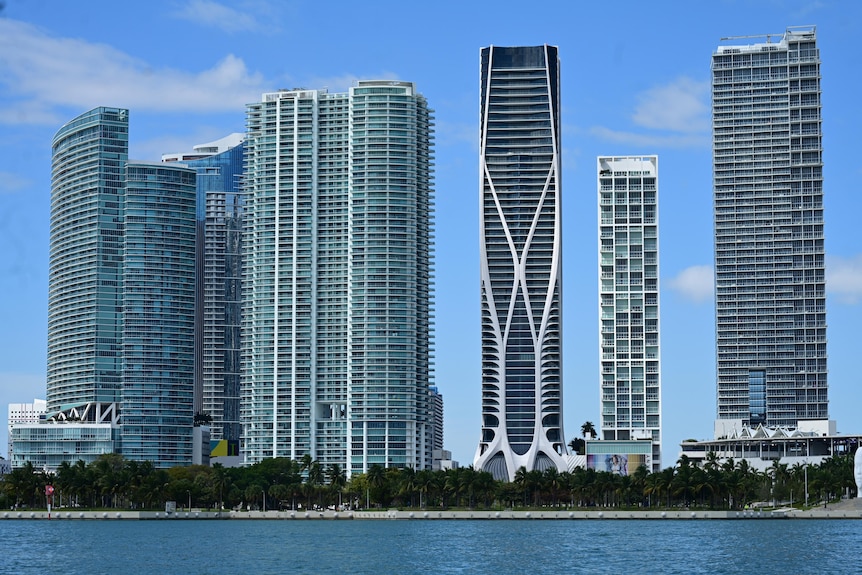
[[634, 80]]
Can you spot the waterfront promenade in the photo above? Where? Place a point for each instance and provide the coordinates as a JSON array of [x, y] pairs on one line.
[[846, 509]]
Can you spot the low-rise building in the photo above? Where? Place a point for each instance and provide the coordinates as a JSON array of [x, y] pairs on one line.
[[441, 460], [809, 443], [47, 445], [23, 413]]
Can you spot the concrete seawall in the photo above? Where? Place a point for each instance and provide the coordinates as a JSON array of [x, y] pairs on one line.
[[844, 510]]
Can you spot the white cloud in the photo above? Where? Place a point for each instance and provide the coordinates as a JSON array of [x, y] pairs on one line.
[[153, 148], [28, 113], [844, 278], [215, 15], [695, 283], [47, 73], [680, 106], [675, 115]]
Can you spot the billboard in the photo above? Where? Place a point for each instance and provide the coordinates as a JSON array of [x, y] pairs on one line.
[[617, 463]]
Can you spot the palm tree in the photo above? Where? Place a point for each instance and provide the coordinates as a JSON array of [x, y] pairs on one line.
[[20, 484], [425, 481], [711, 461], [659, 483], [108, 477], [454, 485], [484, 486], [202, 418], [278, 493], [407, 484], [220, 480], [521, 477], [305, 462], [65, 482], [639, 478], [577, 445], [588, 429], [376, 477], [534, 484], [314, 479], [337, 478], [154, 486], [358, 489], [624, 489], [581, 485], [603, 486], [780, 477], [254, 492], [551, 479], [82, 482], [467, 483], [683, 482]]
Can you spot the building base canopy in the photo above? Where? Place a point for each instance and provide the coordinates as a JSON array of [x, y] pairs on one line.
[[504, 466]]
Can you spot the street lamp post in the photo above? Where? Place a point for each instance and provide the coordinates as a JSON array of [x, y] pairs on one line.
[[190, 499], [264, 499]]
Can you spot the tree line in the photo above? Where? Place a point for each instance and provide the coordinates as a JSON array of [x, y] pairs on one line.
[[279, 484]]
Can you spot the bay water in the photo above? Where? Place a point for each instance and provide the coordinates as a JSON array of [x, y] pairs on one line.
[[763, 546]]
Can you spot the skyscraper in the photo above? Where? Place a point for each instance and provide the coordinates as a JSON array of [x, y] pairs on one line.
[[121, 300], [436, 418], [220, 206], [85, 283], [521, 267], [158, 313], [629, 300], [337, 280], [769, 252]]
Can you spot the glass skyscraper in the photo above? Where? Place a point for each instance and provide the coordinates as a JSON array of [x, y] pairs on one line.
[[158, 313], [121, 295], [337, 278], [218, 319], [521, 265], [769, 251], [85, 283], [629, 300]]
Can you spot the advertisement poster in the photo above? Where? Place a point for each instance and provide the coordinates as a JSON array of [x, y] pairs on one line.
[[618, 464]]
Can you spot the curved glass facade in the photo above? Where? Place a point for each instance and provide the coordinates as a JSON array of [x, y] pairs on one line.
[[86, 260], [121, 293], [520, 218]]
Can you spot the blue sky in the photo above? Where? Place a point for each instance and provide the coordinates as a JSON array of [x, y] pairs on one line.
[[635, 80]]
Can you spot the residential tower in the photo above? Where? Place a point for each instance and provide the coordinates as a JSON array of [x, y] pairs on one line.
[[769, 240], [521, 265]]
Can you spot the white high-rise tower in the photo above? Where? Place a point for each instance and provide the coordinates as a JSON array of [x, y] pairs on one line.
[[629, 300], [337, 277]]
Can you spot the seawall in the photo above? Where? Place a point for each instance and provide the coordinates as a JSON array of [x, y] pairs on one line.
[[837, 511]]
